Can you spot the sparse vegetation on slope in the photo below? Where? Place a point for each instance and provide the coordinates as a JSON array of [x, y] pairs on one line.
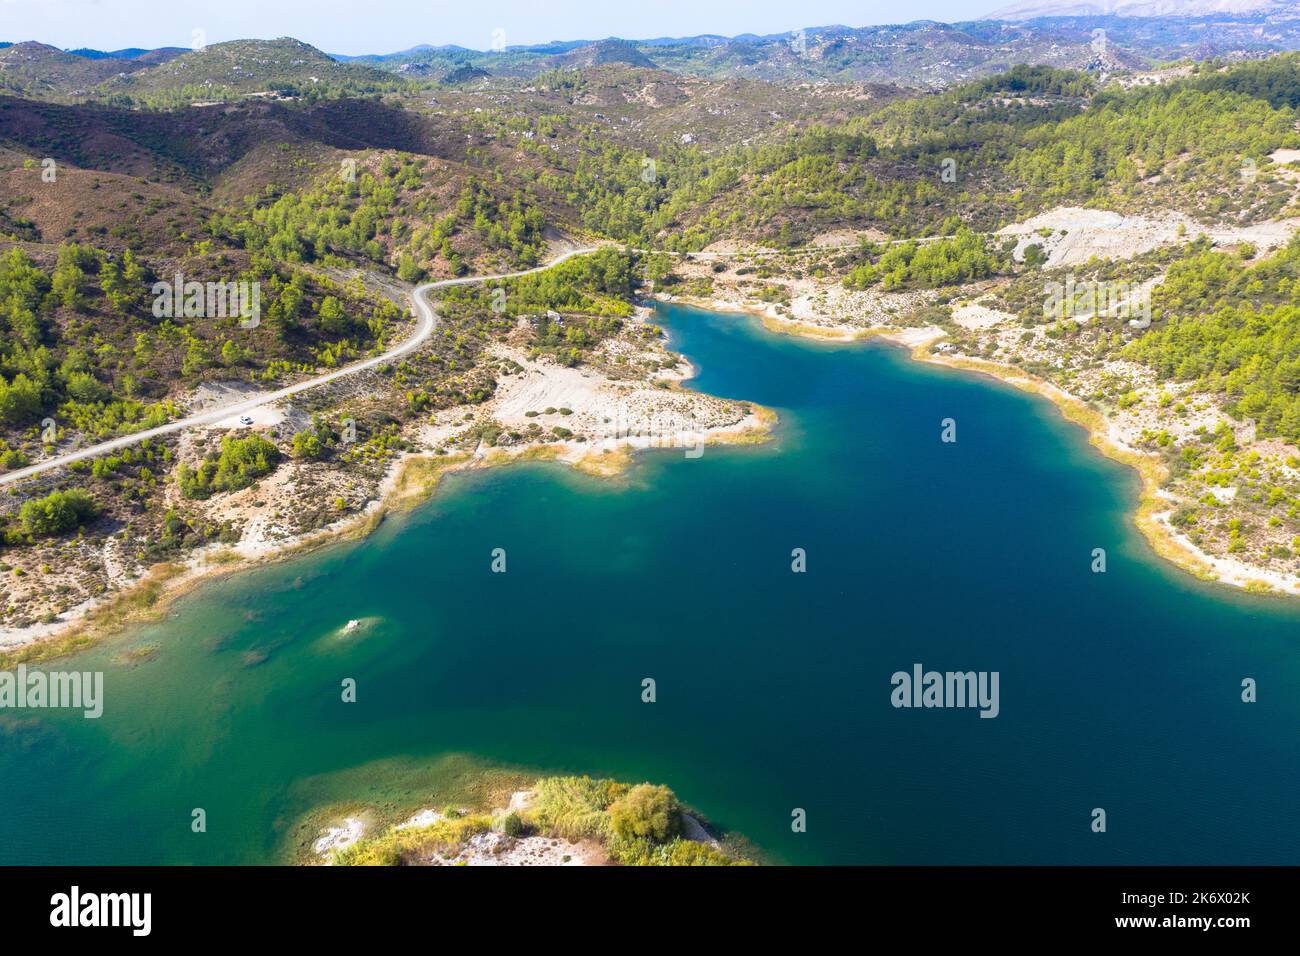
[[637, 825]]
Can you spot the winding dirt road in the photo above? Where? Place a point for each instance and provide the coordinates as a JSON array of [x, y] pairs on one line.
[[428, 321]]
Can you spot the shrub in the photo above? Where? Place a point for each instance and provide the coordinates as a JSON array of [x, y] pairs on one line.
[[315, 442], [20, 400], [965, 257], [84, 387], [646, 812], [241, 462], [398, 847], [677, 852], [308, 445], [12, 458], [57, 512], [575, 807]]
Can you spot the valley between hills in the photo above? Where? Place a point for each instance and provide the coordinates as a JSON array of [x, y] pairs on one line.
[[1155, 187]]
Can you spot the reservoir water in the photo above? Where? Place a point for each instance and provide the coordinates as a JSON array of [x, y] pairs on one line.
[[1119, 691]]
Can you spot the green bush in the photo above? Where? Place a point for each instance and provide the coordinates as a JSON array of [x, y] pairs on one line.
[[677, 852], [308, 445], [399, 847], [966, 257], [646, 812], [57, 512], [20, 400], [12, 458], [575, 807], [241, 462]]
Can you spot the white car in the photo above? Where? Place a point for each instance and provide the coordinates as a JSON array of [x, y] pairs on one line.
[[245, 419]]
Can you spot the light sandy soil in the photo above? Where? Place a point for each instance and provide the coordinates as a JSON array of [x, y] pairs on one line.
[[827, 310], [609, 412], [1155, 77], [1234, 572], [212, 395], [339, 838], [606, 414], [733, 246], [629, 398], [260, 419], [215, 394], [822, 308], [483, 849], [1076, 235], [15, 637], [495, 848], [424, 818], [1127, 430], [847, 237], [972, 315]]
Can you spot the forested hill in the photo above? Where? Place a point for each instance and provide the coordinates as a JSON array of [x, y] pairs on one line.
[[923, 55], [432, 191], [335, 202], [1012, 145], [973, 158]]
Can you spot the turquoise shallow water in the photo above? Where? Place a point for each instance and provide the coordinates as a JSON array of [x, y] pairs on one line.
[[1119, 691]]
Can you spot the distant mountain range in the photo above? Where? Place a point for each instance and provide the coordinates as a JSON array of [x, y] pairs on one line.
[[134, 53], [171, 76], [1036, 9], [924, 54]]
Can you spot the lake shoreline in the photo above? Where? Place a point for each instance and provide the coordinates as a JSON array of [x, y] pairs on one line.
[[409, 480], [1151, 514], [415, 476], [516, 827], [684, 577]]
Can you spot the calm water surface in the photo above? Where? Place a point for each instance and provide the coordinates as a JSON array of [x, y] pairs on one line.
[[1118, 690]]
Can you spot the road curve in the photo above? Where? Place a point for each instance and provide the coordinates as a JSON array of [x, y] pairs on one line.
[[428, 321]]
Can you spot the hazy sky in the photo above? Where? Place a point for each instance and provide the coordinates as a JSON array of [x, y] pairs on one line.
[[384, 26]]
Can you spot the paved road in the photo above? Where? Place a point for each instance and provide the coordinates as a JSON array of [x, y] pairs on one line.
[[428, 321]]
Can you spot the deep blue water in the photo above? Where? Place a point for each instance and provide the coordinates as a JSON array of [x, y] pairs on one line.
[[1118, 690]]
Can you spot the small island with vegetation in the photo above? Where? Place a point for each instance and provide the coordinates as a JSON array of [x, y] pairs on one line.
[[559, 821]]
